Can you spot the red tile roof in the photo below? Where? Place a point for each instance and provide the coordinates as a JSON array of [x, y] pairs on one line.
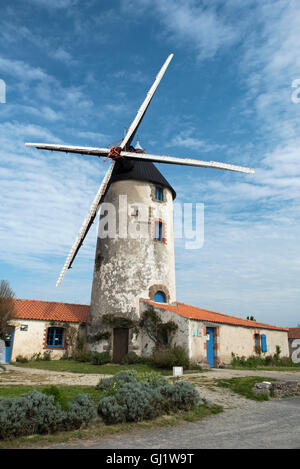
[[50, 311], [192, 312], [294, 333]]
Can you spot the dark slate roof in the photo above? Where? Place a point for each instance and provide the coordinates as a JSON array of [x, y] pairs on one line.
[[140, 170]]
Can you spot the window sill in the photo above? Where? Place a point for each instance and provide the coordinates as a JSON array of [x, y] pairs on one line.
[[50, 347]]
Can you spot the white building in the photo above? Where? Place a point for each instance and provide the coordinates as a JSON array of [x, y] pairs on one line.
[[208, 337]]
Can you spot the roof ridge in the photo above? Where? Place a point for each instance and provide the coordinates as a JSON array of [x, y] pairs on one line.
[[56, 302], [216, 312], [245, 322]]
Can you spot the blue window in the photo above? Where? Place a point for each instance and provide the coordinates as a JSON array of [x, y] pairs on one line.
[[55, 337], [160, 297], [264, 347], [158, 231], [159, 193]]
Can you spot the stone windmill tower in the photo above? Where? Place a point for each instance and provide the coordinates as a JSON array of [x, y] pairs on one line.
[[135, 247]]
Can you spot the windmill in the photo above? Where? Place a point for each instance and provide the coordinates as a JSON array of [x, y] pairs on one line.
[[128, 269]]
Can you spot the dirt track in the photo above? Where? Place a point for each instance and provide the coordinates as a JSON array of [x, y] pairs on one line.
[[204, 381]]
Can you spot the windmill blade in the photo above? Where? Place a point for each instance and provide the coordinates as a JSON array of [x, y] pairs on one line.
[[101, 152], [87, 223], [143, 108], [186, 161], [70, 149]]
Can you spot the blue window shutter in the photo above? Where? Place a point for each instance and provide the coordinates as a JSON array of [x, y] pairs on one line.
[[264, 343], [160, 297]]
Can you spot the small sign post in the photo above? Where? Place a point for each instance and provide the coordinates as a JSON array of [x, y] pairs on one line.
[[177, 370]]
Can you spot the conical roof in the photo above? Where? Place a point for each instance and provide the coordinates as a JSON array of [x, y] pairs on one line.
[[139, 170]]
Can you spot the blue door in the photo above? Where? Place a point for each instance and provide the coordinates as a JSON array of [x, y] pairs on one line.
[[210, 353], [9, 338]]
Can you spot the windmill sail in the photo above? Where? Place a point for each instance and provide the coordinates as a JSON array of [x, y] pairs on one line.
[[144, 106], [86, 224], [122, 151], [186, 161], [98, 199], [70, 149], [144, 156]]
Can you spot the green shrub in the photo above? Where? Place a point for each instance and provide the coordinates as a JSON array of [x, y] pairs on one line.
[[21, 359], [100, 358], [195, 366], [111, 386], [183, 395], [31, 413], [267, 360], [36, 412], [130, 398], [59, 397], [83, 356], [138, 401], [80, 412], [167, 357], [131, 359], [47, 356], [151, 377], [111, 411], [36, 357]]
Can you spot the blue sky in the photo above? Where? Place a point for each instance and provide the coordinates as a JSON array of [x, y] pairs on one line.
[[76, 72]]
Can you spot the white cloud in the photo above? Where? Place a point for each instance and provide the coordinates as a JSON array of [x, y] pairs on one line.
[[64, 56], [189, 24], [186, 139], [55, 4], [51, 195], [21, 70]]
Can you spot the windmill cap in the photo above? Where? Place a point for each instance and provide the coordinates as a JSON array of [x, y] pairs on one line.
[[139, 170]]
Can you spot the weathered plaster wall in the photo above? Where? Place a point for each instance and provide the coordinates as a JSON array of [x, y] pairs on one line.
[[180, 337], [125, 267], [191, 335], [27, 343], [240, 341]]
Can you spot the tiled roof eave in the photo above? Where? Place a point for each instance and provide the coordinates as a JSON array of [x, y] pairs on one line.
[[37, 310], [220, 319]]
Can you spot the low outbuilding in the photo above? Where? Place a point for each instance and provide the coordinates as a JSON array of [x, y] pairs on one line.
[[39, 327]]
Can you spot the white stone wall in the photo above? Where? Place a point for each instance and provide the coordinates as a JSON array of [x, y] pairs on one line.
[[191, 335], [197, 341], [180, 337], [27, 343], [240, 341], [125, 267]]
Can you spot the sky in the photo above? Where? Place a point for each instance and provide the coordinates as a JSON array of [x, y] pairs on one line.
[[75, 72]]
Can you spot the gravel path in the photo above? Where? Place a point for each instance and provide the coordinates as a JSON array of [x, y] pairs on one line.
[[30, 376], [27, 376], [273, 424], [243, 424]]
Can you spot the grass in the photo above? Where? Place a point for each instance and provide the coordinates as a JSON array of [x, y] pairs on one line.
[[295, 368], [98, 429], [70, 392], [87, 368], [244, 385]]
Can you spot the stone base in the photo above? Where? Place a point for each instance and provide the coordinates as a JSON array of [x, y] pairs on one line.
[[278, 388]]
